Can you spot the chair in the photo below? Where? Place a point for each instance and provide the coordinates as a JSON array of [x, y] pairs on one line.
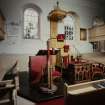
[[97, 71], [37, 69], [6, 89], [83, 72], [8, 86], [79, 74], [36, 66], [87, 71]]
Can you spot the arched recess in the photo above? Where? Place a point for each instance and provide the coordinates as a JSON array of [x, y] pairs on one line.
[[74, 26], [31, 5], [31, 21], [72, 21]]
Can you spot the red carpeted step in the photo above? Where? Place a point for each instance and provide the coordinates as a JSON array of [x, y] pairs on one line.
[[58, 101]]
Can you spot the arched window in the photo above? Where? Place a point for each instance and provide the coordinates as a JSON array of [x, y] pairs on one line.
[[69, 27], [31, 23]]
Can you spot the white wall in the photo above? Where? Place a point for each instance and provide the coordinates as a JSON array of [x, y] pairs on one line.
[[13, 10]]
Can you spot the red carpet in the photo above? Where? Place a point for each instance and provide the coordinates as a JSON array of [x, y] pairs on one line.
[[59, 101]]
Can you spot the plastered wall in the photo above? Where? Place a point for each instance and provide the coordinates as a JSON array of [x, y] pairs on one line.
[[13, 11]]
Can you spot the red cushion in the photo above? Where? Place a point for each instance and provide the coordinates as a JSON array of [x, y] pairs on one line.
[[56, 73], [37, 64]]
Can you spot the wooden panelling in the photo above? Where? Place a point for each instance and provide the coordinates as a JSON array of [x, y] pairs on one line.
[[2, 21], [100, 30], [91, 33], [53, 29], [97, 33]]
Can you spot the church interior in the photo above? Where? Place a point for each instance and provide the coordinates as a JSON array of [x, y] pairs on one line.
[[62, 63]]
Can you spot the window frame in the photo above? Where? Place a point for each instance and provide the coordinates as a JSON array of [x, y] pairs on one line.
[[68, 25], [39, 11]]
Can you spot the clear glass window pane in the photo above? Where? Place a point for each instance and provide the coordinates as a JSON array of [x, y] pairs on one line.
[[30, 23], [69, 27]]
